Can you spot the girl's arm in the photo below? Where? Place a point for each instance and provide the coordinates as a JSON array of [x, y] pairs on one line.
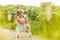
[[21, 21], [26, 18]]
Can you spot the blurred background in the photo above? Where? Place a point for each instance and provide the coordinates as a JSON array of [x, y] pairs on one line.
[[44, 16]]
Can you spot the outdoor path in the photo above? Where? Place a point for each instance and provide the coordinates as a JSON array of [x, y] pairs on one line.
[[4, 34]]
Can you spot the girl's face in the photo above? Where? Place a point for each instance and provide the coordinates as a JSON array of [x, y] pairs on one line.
[[21, 15]]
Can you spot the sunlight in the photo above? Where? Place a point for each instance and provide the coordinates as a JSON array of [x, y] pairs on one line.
[[28, 2]]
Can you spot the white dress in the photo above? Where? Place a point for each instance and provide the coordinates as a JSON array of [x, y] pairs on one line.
[[20, 28]]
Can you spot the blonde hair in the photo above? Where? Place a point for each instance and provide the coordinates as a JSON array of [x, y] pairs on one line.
[[19, 11]]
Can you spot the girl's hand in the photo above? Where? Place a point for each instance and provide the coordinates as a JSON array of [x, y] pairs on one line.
[[25, 16]]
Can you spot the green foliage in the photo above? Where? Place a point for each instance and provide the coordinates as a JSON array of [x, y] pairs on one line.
[[12, 25], [32, 13]]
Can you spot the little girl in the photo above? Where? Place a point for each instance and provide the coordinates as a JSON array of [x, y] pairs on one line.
[[22, 22]]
